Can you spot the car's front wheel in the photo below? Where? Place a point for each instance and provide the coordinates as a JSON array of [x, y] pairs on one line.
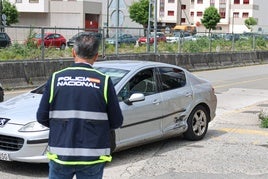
[[197, 124]]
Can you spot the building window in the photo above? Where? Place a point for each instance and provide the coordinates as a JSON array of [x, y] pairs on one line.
[[183, 20], [212, 3], [192, 14], [245, 1], [245, 15], [192, 1], [183, 6], [18, 1], [236, 14], [236, 1], [171, 1], [33, 1], [222, 12], [199, 1], [222, 1], [170, 13], [199, 13]]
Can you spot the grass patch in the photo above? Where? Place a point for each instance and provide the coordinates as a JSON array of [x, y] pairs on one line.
[[263, 116]]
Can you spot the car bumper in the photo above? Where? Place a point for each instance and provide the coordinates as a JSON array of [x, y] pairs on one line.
[[23, 146]]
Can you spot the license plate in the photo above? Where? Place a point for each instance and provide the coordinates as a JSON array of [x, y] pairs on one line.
[[4, 156]]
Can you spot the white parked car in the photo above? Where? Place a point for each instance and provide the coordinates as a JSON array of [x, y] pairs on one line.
[[179, 37]]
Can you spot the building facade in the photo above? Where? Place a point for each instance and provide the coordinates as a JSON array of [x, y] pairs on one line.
[[233, 14], [103, 13]]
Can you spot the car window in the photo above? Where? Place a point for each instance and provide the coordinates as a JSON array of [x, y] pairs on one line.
[[143, 82], [2, 36], [51, 36], [115, 74], [56, 35], [172, 78]]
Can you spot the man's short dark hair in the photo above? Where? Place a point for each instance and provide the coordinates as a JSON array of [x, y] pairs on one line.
[[86, 45]]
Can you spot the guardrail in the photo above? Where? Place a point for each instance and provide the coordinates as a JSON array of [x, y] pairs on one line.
[[31, 73]]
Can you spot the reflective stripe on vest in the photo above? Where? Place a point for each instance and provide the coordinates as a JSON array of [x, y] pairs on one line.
[[65, 114], [101, 159], [78, 68], [79, 151]]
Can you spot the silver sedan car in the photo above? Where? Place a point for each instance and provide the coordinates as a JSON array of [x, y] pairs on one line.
[[158, 101]]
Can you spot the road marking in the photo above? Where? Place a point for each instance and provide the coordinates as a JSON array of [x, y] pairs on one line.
[[237, 83], [244, 131]]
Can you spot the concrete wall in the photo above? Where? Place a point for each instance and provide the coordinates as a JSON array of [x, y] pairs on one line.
[[31, 73]]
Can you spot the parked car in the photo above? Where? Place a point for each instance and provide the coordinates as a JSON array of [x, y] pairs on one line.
[[50, 40], [1, 93], [122, 39], [158, 100], [179, 37], [230, 37], [161, 37], [70, 42], [5, 40]]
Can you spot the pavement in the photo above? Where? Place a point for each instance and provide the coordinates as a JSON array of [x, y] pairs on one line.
[[234, 147]]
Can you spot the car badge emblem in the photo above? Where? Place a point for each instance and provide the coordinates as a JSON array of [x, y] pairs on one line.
[[3, 121]]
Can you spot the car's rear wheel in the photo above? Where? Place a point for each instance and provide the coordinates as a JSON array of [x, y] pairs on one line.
[[197, 124]]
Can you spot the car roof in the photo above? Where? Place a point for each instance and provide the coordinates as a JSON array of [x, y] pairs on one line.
[[128, 64]]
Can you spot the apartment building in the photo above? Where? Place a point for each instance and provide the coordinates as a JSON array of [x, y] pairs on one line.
[[103, 13], [233, 14], [59, 13]]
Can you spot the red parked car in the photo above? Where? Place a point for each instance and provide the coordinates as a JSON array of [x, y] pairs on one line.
[[159, 36], [50, 40]]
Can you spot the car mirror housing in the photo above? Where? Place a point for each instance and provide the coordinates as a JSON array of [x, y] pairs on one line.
[[136, 97]]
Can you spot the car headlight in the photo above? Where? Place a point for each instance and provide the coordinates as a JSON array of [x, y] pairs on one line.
[[33, 127]]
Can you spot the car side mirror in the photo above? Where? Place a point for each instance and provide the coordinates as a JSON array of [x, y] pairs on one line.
[[136, 97]]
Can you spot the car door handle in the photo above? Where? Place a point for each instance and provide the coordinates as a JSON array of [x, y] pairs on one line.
[[188, 94], [156, 102]]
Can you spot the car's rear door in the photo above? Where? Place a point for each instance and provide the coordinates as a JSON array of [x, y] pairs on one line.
[[177, 97], [141, 119]]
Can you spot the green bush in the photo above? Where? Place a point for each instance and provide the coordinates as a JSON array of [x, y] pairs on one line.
[[264, 119]]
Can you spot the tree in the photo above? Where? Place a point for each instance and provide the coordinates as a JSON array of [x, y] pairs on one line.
[[139, 12], [11, 12], [211, 18], [250, 22]]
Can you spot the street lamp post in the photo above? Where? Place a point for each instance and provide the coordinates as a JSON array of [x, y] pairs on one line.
[[108, 13], [1, 17]]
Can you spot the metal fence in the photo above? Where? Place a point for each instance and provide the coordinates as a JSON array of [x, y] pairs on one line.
[[184, 43]]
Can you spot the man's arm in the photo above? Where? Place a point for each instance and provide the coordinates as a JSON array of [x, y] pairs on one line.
[[113, 109], [42, 114]]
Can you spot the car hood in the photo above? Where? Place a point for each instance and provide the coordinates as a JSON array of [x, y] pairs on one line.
[[21, 109]]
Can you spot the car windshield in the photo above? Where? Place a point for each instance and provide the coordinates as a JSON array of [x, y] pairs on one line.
[[115, 74]]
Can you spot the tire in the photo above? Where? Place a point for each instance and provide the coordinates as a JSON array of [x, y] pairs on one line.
[[197, 124], [63, 46]]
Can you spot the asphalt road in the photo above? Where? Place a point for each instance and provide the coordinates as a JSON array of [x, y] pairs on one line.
[[234, 147]]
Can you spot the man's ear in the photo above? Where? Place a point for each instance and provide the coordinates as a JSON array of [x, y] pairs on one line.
[[73, 53], [96, 57]]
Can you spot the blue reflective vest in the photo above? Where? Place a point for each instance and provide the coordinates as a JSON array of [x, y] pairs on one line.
[[80, 107]]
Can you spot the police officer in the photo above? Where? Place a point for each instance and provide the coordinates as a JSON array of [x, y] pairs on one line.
[[80, 107]]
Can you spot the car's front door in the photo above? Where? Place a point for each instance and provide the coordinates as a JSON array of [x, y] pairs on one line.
[[141, 119]]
